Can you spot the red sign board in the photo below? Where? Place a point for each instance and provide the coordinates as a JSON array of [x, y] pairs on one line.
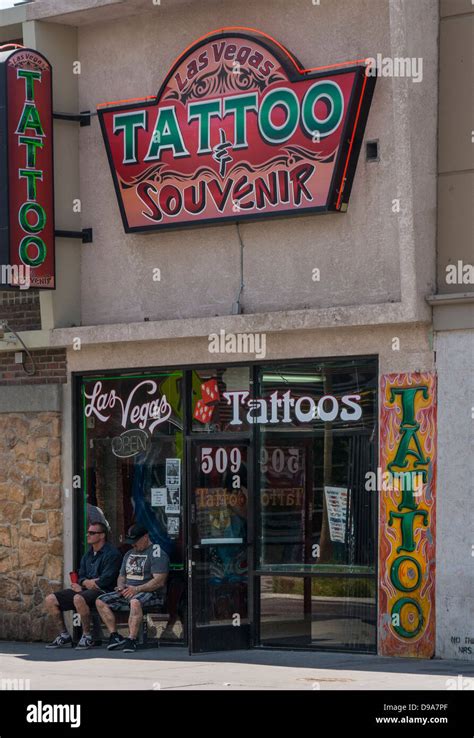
[[238, 130], [26, 166]]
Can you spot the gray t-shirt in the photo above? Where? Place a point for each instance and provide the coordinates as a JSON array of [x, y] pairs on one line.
[[138, 567]]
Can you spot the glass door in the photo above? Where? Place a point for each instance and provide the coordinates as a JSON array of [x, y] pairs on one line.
[[218, 545]]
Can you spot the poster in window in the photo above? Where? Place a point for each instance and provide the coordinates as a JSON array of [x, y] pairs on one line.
[[173, 472], [172, 500], [336, 503], [158, 496], [172, 526]]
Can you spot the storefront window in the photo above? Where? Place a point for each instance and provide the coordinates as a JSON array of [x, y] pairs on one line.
[[133, 456], [314, 511], [219, 399], [325, 612], [275, 459]]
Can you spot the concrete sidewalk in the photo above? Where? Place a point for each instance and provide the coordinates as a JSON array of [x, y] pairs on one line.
[[172, 668]]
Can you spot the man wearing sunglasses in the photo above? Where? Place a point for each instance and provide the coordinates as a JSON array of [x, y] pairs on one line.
[[98, 573]]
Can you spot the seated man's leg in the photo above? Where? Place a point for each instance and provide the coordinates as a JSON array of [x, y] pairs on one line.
[[137, 602], [55, 605], [83, 601], [105, 612], [105, 605], [135, 618]]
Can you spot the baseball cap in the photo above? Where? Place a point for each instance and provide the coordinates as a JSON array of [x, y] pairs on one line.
[[135, 532]]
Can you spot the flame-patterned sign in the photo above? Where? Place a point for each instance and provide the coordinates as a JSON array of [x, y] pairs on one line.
[[407, 515], [238, 130]]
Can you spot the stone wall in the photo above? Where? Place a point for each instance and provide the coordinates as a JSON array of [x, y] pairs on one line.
[[31, 536]]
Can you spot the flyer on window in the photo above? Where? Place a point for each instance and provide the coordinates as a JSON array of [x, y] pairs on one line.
[[173, 472], [172, 500], [158, 496]]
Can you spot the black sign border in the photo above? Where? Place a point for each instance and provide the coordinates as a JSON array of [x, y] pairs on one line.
[[5, 245]]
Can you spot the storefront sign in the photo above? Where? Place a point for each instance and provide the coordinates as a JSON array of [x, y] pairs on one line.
[[26, 165], [408, 516], [282, 408], [238, 130], [276, 408], [146, 415], [130, 443]]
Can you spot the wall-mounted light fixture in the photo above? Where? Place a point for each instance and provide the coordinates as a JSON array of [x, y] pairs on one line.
[[8, 335]]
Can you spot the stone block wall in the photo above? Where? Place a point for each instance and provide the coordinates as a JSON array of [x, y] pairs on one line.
[[31, 535]]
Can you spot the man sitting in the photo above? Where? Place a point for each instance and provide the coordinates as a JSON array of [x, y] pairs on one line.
[[97, 574], [141, 583]]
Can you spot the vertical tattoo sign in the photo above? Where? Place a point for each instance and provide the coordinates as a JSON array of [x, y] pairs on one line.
[[26, 165], [407, 520]]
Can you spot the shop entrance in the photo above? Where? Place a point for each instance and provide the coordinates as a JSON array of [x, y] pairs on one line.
[[253, 480], [219, 545]]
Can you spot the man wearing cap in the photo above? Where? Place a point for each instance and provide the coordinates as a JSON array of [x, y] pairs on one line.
[[141, 582]]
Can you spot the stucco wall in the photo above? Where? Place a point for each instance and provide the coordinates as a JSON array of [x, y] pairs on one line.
[[414, 353], [455, 520], [370, 255]]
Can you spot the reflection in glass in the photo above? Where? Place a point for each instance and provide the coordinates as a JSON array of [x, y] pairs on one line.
[[283, 619], [219, 530], [282, 502], [331, 613], [315, 513]]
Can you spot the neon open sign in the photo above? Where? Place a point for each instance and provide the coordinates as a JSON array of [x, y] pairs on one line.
[[26, 165], [238, 130]]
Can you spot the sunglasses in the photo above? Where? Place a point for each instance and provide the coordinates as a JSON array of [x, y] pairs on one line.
[[94, 532]]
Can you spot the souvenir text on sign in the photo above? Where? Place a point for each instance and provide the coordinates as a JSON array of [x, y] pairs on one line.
[[26, 165], [238, 130], [407, 515]]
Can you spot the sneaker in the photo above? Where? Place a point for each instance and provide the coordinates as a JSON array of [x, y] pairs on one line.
[[115, 641], [60, 641], [85, 643], [130, 645]]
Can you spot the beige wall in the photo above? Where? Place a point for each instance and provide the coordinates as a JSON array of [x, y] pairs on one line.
[[456, 150], [368, 256], [414, 354]]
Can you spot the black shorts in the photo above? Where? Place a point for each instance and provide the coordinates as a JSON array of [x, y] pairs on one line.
[[65, 597]]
